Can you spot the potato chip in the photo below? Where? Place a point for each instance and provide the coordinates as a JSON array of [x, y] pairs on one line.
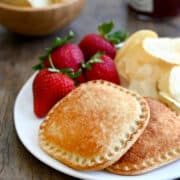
[[145, 79], [170, 83], [149, 73], [174, 83], [164, 49], [163, 82], [144, 87], [132, 55]]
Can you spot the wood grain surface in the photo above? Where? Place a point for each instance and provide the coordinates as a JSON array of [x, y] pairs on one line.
[[18, 54]]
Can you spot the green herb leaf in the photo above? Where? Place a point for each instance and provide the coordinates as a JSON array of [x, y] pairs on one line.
[[105, 28]]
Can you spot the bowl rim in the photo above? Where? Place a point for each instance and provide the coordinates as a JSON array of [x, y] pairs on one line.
[[31, 9]]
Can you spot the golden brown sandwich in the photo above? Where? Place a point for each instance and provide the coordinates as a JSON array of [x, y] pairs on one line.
[[157, 146], [94, 125]]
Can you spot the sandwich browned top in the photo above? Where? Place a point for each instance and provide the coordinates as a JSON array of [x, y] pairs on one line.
[[158, 145], [94, 125]]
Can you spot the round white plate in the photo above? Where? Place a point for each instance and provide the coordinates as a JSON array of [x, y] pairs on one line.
[[27, 126]]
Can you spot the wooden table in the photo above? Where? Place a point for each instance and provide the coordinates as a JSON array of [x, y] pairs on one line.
[[17, 56]]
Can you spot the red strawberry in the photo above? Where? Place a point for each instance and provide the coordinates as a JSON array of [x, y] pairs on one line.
[[67, 56], [93, 43], [48, 88], [102, 42], [101, 67], [63, 56]]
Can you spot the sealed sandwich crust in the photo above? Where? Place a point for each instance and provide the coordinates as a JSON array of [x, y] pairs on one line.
[[137, 160], [103, 146], [146, 165]]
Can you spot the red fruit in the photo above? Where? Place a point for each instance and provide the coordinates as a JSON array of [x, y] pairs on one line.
[[67, 56], [81, 78], [105, 70], [93, 43], [48, 89]]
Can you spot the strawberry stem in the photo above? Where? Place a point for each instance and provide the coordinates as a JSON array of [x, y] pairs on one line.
[[95, 59], [67, 71], [116, 37], [51, 62], [76, 74], [38, 67], [57, 43], [119, 45], [54, 69]]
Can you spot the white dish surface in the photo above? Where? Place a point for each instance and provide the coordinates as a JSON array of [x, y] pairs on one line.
[[27, 126]]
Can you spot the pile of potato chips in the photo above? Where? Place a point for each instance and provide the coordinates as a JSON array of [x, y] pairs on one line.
[[151, 66]]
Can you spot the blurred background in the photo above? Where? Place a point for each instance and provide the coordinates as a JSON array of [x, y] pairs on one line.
[[18, 53]]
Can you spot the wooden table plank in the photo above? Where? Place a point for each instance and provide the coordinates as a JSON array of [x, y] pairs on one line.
[[18, 54]]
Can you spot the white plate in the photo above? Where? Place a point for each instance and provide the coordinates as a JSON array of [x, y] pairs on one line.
[[27, 126]]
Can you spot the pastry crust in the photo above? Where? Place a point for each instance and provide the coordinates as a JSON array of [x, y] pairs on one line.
[[157, 146], [94, 125]]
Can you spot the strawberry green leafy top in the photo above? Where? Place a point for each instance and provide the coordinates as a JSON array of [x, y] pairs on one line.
[[57, 43], [116, 37]]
